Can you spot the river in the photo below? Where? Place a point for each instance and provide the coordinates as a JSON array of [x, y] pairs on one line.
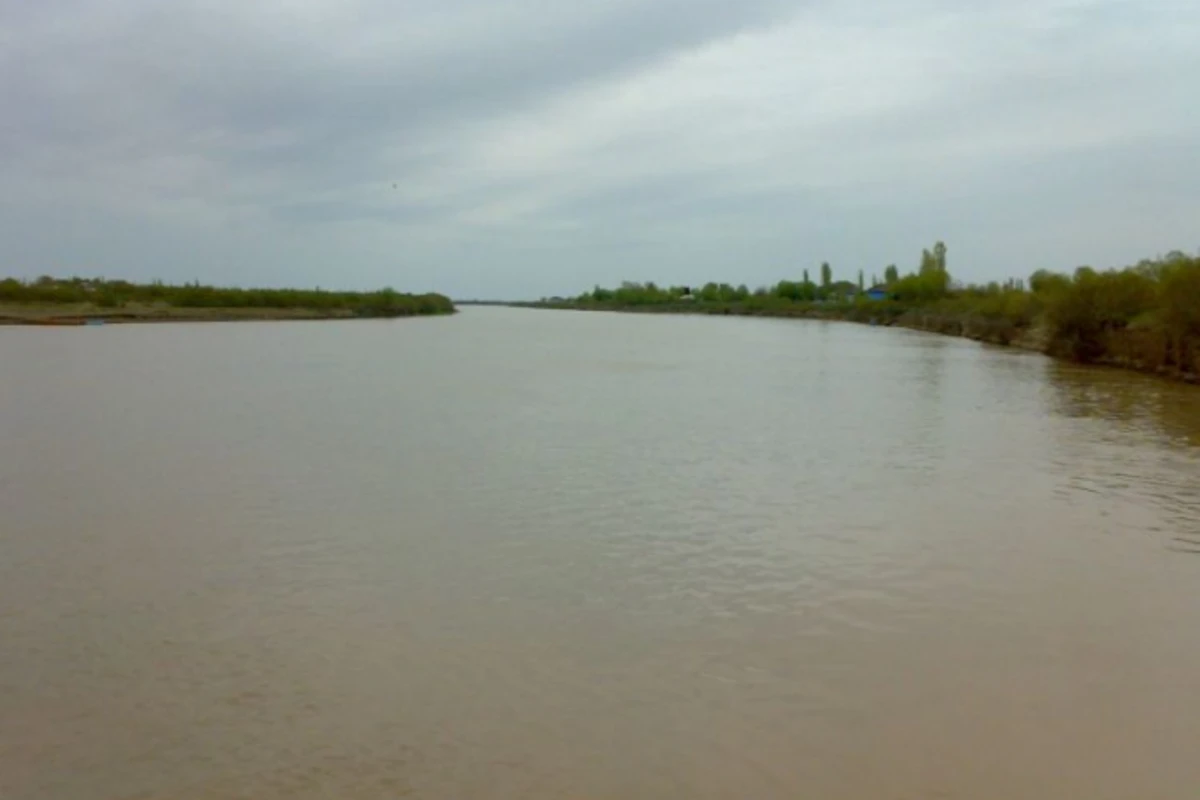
[[539, 554]]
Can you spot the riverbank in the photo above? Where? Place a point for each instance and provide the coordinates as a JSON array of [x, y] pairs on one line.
[[1139, 349], [1144, 317], [79, 301], [84, 314]]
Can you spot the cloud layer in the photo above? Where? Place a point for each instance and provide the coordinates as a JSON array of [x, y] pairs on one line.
[[530, 148]]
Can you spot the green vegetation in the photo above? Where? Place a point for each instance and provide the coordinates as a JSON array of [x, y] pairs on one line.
[[1146, 316], [122, 299]]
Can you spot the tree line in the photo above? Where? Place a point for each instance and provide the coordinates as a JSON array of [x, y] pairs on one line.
[[1148, 313], [115, 294], [928, 282]]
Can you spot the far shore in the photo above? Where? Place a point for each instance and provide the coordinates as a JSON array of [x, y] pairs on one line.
[[51, 301], [86, 313]]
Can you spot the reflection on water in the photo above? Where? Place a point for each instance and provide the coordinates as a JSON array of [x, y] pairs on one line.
[[1110, 416], [534, 554], [1135, 403]]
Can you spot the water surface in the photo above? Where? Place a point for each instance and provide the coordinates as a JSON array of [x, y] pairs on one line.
[[532, 554]]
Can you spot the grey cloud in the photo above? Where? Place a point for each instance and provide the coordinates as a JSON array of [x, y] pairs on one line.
[[540, 148], [207, 71]]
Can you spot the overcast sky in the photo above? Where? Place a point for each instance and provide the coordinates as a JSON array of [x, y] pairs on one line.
[[531, 147]]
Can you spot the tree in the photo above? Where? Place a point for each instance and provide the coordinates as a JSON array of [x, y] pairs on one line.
[[860, 281], [932, 280], [928, 264], [1044, 281], [788, 290], [806, 280], [891, 274], [826, 275]]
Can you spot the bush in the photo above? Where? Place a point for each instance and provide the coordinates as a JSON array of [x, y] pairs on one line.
[[113, 294], [1147, 314]]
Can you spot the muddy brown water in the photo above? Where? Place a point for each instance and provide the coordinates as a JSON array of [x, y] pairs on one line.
[[533, 554]]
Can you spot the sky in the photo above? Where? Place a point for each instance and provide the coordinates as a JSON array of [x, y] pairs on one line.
[[530, 148]]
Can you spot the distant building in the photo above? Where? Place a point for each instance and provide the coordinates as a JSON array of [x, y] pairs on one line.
[[877, 293]]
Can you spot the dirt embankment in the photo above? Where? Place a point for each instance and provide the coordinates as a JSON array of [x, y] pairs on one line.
[[1138, 350], [980, 329]]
